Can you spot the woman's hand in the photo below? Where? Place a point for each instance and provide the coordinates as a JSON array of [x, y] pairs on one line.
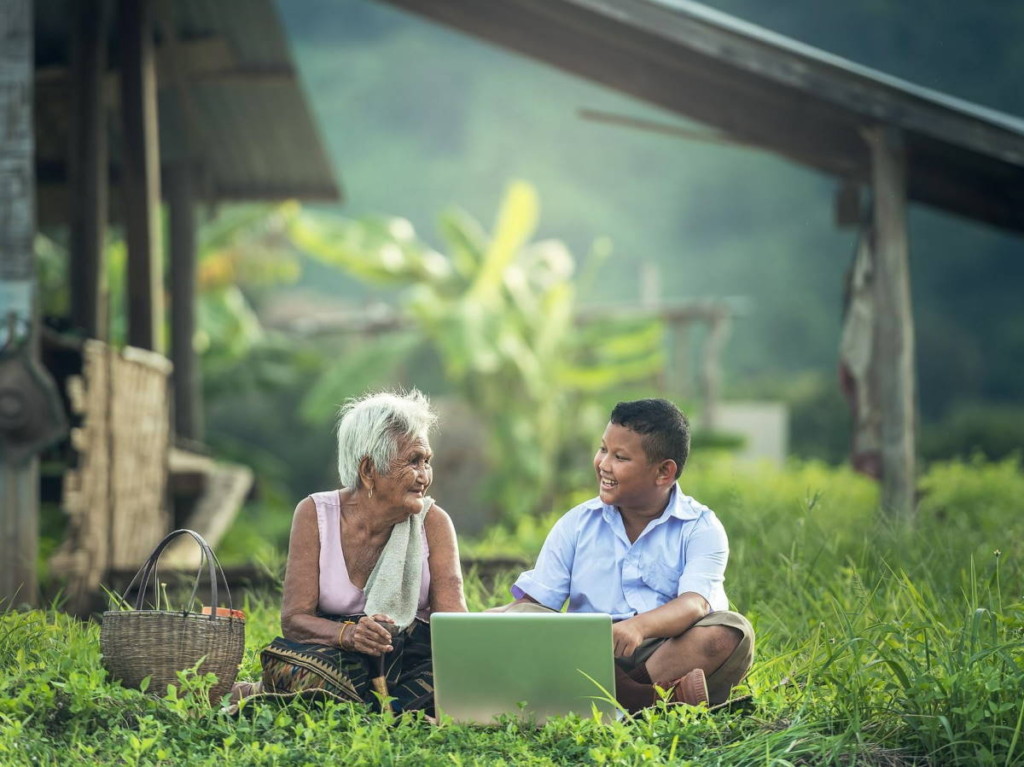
[[370, 635]]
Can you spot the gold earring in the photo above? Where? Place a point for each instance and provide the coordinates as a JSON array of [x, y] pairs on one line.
[[371, 493]]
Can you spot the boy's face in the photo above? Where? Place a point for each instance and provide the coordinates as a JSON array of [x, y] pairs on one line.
[[625, 477]]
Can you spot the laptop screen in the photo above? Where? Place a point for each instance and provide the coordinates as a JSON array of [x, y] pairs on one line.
[[531, 666]]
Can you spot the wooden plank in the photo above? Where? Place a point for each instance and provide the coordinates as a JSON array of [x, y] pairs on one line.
[[226, 487], [187, 389], [87, 167], [140, 183], [894, 324], [19, 484]]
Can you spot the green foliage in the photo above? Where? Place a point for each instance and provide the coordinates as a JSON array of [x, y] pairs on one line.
[[447, 115], [974, 499], [900, 647], [499, 312], [994, 431], [359, 370]]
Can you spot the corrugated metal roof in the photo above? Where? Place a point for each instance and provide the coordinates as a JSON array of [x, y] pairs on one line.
[[230, 100]]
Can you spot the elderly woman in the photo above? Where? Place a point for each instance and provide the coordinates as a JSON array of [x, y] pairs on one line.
[[367, 564]]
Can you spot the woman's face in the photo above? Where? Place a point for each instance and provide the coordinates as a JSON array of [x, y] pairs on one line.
[[407, 479]]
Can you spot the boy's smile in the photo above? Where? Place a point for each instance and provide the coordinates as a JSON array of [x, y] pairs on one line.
[[626, 477]]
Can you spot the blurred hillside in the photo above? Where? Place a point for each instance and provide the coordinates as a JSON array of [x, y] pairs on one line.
[[417, 117]]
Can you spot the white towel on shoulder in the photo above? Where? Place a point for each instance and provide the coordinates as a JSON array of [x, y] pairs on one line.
[[393, 587]]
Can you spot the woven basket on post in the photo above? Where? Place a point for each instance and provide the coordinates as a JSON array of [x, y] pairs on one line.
[[159, 643]]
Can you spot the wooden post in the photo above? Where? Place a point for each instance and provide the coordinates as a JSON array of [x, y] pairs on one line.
[[894, 323], [87, 166], [711, 370], [19, 483], [187, 393], [140, 184], [679, 378]]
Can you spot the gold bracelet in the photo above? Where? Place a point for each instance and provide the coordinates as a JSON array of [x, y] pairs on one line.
[[341, 633]]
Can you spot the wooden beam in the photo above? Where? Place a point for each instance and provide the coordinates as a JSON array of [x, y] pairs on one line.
[[19, 482], [764, 91], [140, 186], [188, 58], [606, 48], [188, 420], [87, 168], [976, 188], [742, 52], [893, 344]]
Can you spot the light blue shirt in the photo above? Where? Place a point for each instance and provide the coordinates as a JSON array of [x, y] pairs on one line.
[[587, 558]]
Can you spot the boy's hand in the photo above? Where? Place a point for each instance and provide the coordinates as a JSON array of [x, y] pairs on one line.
[[626, 637], [510, 605]]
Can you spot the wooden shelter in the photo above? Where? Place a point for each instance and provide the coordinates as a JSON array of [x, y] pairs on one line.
[[189, 102], [897, 141], [126, 105]]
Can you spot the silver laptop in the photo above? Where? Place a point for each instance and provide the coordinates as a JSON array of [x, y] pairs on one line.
[[531, 666]]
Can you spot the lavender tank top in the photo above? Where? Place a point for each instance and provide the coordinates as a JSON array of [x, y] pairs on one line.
[[338, 595]]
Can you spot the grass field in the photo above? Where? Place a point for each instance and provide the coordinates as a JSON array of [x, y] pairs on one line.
[[901, 646]]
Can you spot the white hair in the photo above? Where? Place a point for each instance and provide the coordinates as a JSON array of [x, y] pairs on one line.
[[375, 425]]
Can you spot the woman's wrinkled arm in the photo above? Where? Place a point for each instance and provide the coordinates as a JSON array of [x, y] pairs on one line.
[[299, 621], [446, 594]]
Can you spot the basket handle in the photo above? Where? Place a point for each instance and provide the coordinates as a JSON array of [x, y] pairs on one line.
[[147, 570]]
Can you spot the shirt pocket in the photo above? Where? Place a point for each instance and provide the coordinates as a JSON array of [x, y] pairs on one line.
[[661, 578]]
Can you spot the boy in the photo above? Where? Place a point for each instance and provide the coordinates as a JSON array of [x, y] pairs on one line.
[[652, 558]]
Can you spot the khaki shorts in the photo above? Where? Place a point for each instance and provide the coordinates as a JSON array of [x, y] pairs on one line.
[[721, 680]]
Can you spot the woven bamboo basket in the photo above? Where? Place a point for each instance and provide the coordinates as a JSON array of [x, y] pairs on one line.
[[142, 643]]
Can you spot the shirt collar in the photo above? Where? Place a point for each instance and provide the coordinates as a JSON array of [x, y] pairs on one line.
[[679, 506]]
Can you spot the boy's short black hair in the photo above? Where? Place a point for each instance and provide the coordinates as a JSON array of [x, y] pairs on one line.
[[663, 427]]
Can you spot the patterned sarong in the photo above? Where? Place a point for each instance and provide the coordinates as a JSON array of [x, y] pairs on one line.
[[291, 667]]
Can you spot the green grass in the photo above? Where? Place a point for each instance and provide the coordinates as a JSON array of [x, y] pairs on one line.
[[901, 647]]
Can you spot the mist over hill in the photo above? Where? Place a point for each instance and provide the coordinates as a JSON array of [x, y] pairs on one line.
[[418, 117]]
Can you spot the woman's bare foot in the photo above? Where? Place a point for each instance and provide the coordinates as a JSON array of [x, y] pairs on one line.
[[240, 690]]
